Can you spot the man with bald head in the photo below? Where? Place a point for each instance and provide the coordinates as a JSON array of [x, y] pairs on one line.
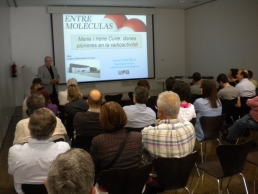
[[245, 87], [88, 123]]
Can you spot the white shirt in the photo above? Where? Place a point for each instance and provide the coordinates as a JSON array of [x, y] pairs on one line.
[[29, 163], [22, 132], [246, 88], [62, 97], [24, 108], [186, 114]]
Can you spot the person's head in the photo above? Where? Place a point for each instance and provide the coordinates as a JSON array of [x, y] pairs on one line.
[[183, 90], [233, 73], [170, 83], [42, 124], [36, 81], [112, 117], [222, 79], [45, 94], [242, 74], [141, 95], [95, 99], [34, 102], [250, 73], [74, 93], [209, 91], [144, 83], [168, 105], [48, 61], [34, 88], [197, 77], [72, 172], [71, 81]]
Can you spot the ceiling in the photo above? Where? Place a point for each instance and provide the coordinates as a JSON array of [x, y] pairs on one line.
[[174, 4]]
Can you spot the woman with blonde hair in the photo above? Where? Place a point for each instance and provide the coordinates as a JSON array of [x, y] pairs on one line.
[[76, 104]]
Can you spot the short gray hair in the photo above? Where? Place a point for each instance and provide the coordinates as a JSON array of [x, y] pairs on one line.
[[141, 94], [72, 172], [42, 124], [47, 57], [72, 81], [169, 103], [34, 102]]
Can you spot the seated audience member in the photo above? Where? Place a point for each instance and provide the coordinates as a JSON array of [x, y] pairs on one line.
[[250, 73], [33, 89], [29, 163], [34, 81], [139, 115], [170, 83], [227, 92], [76, 104], [208, 105], [195, 88], [232, 75], [88, 122], [186, 111], [62, 95], [245, 87], [170, 138], [48, 104], [22, 132], [248, 121], [105, 146], [144, 83], [71, 172]]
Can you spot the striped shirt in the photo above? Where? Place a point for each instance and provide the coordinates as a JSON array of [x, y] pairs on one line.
[[170, 139]]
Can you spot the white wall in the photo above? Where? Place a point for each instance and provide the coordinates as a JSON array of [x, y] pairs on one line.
[[31, 42], [7, 93], [222, 35]]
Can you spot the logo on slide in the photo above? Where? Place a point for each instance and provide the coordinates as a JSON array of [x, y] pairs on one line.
[[123, 72], [120, 23]]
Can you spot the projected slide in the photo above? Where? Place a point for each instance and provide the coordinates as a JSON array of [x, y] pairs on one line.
[[105, 47]]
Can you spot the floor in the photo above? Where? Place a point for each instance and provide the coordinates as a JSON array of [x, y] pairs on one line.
[[204, 184]]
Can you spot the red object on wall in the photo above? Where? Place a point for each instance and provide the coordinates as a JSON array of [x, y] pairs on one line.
[[14, 70]]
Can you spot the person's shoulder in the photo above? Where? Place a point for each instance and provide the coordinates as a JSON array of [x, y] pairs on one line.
[[62, 145], [22, 122], [63, 92], [41, 67], [136, 134]]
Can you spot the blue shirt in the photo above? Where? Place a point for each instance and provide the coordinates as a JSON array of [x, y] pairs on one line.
[[203, 108], [139, 115]]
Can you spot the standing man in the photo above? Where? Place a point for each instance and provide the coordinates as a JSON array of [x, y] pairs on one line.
[[50, 78]]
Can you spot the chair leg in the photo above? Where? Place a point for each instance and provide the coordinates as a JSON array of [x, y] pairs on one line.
[[219, 141], [219, 186], [201, 152], [196, 170], [246, 190], [187, 190], [228, 184], [255, 177]]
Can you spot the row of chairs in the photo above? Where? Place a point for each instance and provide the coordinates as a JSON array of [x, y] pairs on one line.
[[173, 173], [191, 77]]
